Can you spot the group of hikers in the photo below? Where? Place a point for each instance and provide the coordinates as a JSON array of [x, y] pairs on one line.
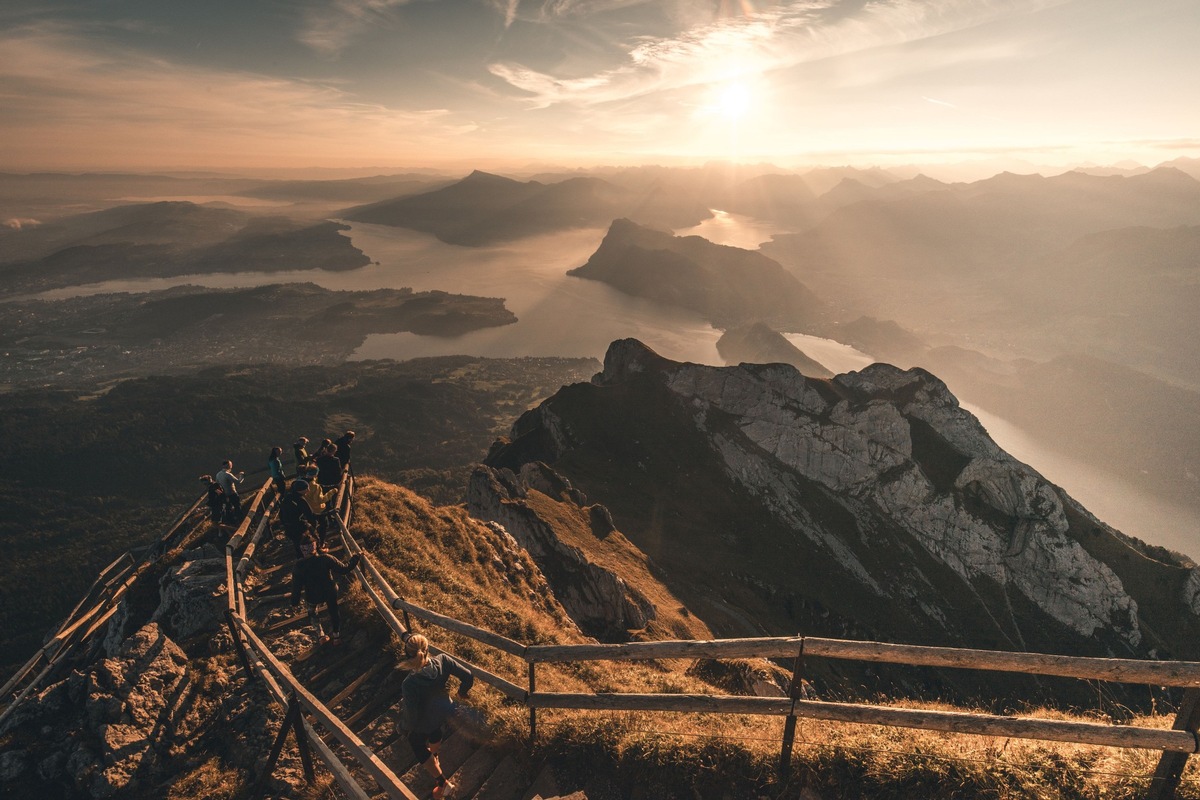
[[306, 508]]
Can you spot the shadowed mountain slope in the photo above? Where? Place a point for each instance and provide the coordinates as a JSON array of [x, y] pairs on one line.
[[729, 285], [868, 506]]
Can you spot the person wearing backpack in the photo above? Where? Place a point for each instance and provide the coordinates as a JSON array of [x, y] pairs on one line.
[[329, 468], [313, 577], [427, 704], [295, 514], [318, 501], [215, 497]]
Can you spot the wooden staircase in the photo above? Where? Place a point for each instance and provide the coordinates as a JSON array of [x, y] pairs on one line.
[[359, 681]]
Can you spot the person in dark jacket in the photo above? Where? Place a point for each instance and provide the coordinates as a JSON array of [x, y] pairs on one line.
[[275, 465], [215, 497], [329, 469], [427, 703], [314, 578], [343, 448], [295, 514]]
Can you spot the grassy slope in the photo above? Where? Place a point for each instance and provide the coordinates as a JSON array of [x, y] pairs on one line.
[[618, 555], [440, 558]]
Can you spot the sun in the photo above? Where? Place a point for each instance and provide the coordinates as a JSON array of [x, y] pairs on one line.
[[732, 100]]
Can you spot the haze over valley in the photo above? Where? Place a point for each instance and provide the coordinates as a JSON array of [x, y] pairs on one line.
[[707, 320]]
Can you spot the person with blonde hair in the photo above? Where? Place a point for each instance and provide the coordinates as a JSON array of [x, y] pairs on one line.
[[427, 704]]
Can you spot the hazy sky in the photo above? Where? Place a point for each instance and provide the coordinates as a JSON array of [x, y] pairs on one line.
[[126, 84]]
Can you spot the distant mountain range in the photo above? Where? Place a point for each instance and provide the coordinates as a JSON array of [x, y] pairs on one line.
[[1019, 264], [165, 239], [484, 208]]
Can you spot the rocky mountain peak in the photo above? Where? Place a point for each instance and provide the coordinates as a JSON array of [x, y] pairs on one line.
[[867, 504]]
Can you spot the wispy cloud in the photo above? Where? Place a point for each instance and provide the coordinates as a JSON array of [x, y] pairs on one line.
[[783, 35], [331, 25], [551, 10], [937, 102], [68, 100]]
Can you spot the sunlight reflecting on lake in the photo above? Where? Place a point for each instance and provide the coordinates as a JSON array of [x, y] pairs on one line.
[[734, 230], [834, 356]]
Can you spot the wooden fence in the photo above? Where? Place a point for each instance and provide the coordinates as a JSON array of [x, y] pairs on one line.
[[92, 613], [94, 610], [1176, 743]]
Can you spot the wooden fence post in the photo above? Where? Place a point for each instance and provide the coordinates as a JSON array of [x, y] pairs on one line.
[[292, 721], [795, 692], [532, 709], [1170, 766]]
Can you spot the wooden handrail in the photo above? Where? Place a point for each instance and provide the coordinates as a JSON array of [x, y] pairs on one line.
[[248, 554], [235, 541], [340, 773], [509, 688], [370, 762], [1127, 670], [950, 721], [466, 629]]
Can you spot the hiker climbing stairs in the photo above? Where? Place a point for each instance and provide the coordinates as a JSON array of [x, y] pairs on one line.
[[359, 680]]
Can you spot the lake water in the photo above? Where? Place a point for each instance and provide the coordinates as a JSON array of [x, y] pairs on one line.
[[557, 314], [734, 230]]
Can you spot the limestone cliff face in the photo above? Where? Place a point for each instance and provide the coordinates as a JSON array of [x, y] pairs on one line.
[[597, 599], [897, 513]]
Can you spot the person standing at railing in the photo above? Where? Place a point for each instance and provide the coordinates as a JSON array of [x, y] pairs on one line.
[[313, 577], [342, 445], [229, 485], [427, 704], [318, 501], [296, 515], [215, 497], [303, 459], [275, 465], [329, 468]]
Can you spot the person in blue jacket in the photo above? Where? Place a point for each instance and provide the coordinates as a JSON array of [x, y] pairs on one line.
[[275, 464], [427, 704]]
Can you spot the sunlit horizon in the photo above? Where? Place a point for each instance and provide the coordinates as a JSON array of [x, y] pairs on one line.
[[504, 84]]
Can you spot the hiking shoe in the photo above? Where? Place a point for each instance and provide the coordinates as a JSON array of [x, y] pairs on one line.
[[444, 792]]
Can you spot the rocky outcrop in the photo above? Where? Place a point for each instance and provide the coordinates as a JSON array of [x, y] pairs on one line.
[[143, 701], [597, 598], [192, 600], [899, 516]]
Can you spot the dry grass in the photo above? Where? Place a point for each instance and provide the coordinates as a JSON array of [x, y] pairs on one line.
[[212, 780], [439, 558]]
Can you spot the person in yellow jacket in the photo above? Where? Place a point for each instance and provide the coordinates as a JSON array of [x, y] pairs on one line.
[[318, 499]]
